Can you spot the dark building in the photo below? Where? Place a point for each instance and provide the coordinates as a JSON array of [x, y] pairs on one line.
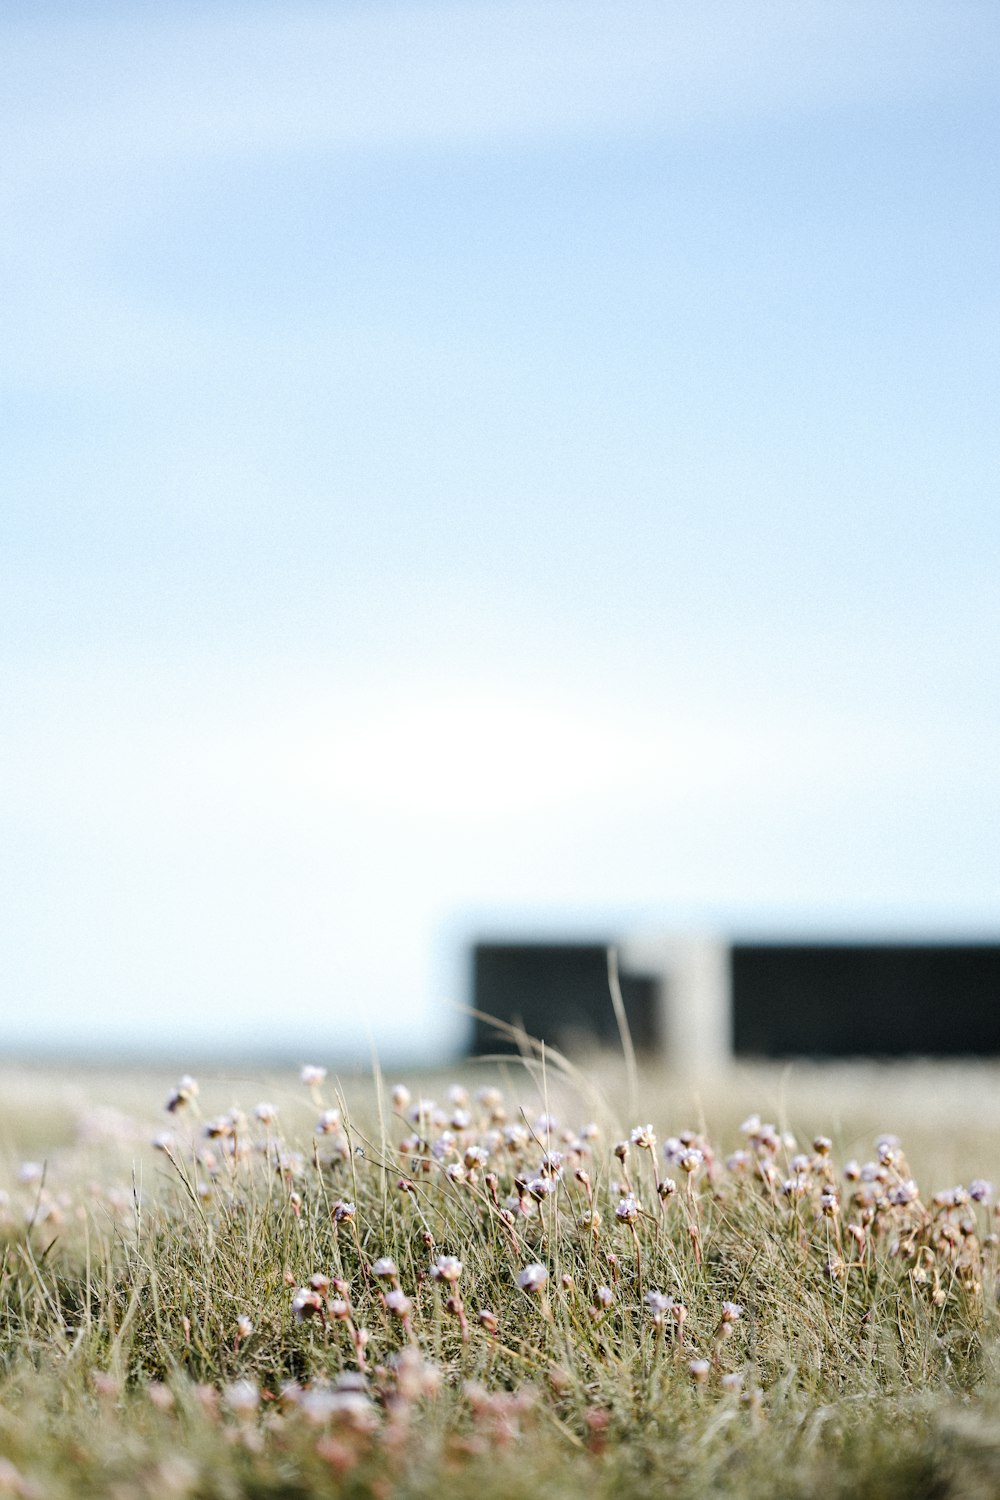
[[559, 993], [875, 999], [702, 1001]]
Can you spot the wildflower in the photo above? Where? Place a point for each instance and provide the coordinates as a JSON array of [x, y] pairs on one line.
[[475, 1156], [533, 1278], [692, 1159], [398, 1303], [822, 1145], [644, 1137], [343, 1211], [265, 1113], [628, 1209], [731, 1312], [829, 1203], [491, 1101], [311, 1075], [488, 1320], [666, 1188], [185, 1091], [699, 1370], [385, 1268], [306, 1304], [903, 1193], [400, 1097], [30, 1172], [242, 1398], [328, 1122], [160, 1396], [244, 1327], [604, 1296], [658, 1304], [446, 1268], [732, 1382], [980, 1191]]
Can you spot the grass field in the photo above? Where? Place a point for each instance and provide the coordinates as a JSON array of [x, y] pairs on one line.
[[524, 1280]]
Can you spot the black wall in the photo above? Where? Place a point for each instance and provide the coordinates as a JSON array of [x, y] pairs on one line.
[[877, 999], [558, 992]]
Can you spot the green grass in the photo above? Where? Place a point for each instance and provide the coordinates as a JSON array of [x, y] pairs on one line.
[[208, 1320]]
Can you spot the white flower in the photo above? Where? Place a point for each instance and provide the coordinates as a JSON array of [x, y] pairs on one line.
[[446, 1268], [242, 1397], [311, 1075], [628, 1209], [265, 1113], [533, 1278]]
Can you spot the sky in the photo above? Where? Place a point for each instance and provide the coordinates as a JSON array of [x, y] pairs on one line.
[[485, 469]]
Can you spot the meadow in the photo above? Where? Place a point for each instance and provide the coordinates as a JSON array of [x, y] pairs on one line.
[[532, 1278]]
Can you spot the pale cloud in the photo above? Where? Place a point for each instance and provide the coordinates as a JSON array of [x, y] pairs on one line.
[[102, 97]]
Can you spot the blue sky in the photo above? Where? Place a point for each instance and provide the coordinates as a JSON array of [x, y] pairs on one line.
[[485, 466]]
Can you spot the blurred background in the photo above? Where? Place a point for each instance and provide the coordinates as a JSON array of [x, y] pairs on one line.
[[484, 468]]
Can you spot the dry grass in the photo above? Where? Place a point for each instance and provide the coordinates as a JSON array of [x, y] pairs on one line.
[[213, 1320]]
